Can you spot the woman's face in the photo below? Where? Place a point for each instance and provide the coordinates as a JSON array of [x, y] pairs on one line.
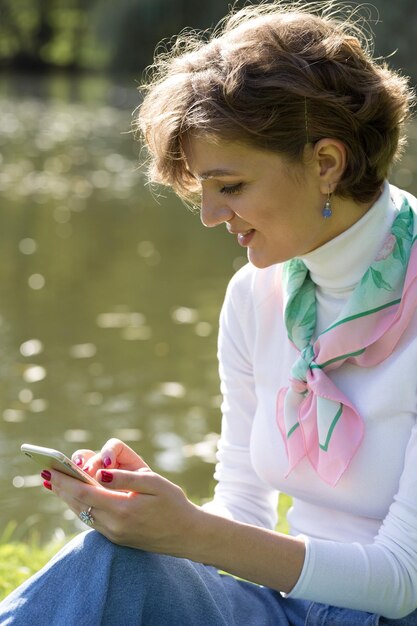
[[271, 206]]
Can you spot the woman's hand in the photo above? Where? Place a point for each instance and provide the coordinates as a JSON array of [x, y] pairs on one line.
[[135, 507], [114, 453]]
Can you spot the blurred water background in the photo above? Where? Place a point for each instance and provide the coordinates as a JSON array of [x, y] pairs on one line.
[[109, 295]]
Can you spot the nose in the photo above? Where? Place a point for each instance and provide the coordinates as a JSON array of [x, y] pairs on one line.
[[213, 212]]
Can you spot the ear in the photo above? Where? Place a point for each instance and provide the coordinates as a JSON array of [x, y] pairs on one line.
[[329, 156]]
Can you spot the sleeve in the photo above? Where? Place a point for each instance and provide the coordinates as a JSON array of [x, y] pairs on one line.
[[379, 578], [239, 494]]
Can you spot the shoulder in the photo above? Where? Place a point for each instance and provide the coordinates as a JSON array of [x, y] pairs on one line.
[[398, 194], [251, 293], [253, 286]]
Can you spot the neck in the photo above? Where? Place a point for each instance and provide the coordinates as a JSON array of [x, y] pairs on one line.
[[341, 261], [346, 212]]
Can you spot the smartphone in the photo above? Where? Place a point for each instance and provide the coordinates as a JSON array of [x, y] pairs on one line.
[[48, 458]]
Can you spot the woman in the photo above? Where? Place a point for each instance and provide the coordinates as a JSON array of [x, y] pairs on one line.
[[286, 128]]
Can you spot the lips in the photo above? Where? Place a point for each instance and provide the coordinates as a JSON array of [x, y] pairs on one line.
[[244, 238]]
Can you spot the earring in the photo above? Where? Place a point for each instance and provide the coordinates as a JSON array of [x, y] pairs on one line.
[[327, 209]]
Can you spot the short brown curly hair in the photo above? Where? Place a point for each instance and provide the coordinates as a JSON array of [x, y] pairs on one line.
[[277, 76]]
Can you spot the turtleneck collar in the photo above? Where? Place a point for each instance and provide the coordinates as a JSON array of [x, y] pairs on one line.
[[340, 263]]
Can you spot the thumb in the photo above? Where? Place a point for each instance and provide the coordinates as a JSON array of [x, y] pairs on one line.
[[141, 481]]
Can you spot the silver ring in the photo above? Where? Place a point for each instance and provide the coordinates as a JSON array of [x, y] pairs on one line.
[[86, 517]]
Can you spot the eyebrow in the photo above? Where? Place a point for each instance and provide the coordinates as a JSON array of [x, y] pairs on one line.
[[219, 173]]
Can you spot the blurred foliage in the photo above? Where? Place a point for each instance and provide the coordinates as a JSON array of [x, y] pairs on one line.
[[40, 34], [20, 560], [36, 35]]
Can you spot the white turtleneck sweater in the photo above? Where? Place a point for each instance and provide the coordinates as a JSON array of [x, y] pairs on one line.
[[361, 536]]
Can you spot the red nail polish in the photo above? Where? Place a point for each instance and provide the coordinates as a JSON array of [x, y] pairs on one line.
[[47, 485], [106, 477], [46, 475], [78, 460], [106, 461]]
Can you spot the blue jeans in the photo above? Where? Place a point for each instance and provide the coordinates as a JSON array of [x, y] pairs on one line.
[[93, 582]]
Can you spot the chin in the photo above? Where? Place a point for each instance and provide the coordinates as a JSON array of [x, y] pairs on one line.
[[259, 262], [262, 262]]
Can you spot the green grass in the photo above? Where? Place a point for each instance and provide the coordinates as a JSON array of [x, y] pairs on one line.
[[19, 560]]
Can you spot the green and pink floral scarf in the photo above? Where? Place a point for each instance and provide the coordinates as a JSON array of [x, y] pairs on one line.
[[315, 418]]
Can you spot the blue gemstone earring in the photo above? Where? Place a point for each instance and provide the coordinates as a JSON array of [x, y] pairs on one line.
[[327, 209]]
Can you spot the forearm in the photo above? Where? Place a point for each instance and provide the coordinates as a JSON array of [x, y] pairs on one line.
[[256, 554]]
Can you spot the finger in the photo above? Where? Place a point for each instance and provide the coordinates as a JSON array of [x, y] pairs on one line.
[[142, 481], [79, 496], [68, 483], [93, 464], [70, 489], [80, 457], [115, 453]]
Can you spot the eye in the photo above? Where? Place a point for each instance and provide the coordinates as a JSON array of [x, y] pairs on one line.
[[232, 189]]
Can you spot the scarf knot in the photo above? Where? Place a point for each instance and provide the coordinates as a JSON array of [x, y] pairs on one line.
[[301, 367], [317, 421]]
